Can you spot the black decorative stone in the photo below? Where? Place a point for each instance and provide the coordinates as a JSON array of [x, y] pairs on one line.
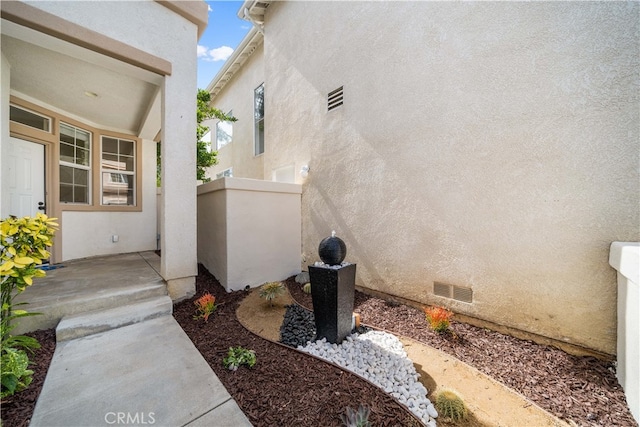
[[332, 293], [332, 250]]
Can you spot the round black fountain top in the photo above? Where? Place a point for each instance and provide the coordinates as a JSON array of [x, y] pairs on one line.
[[332, 250]]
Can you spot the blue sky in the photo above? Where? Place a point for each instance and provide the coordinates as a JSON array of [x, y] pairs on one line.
[[223, 34]]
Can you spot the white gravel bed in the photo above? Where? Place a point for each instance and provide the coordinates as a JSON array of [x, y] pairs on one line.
[[380, 358]]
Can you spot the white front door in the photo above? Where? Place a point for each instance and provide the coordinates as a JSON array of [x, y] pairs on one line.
[[22, 178]]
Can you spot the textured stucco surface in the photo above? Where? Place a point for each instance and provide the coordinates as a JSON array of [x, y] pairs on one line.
[[487, 145], [155, 29], [90, 233], [249, 231], [238, 98]]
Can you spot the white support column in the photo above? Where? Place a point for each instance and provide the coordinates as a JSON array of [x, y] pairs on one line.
[[625, 258], [178, 264]]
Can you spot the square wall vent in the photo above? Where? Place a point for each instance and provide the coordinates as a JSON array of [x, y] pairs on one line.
[[335, 98], [457, 293]]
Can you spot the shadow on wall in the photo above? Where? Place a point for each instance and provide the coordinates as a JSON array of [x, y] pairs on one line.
[[343, 231]]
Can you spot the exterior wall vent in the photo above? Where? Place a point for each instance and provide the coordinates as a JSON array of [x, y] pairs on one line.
[[457, 293], [335, 98]]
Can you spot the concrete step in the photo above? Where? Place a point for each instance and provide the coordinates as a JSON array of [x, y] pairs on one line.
[[84, 324], [77, 302]]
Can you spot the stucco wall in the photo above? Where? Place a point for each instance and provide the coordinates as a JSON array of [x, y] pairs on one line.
[[249, 231], [90, 233], [157, 30], [485, 145], [238, 97], [5, 73]]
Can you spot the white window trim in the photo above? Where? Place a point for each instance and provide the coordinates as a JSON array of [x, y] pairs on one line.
[[111, 171], [79, 166], [228, 172], [255, 122]]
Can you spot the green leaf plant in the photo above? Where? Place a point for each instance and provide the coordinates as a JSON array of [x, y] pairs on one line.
[[238, 356], [23, 246]]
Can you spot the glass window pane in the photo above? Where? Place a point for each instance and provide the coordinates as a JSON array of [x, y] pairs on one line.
[[19, 115], [109, 145], [126, 148], [129, 163], [82, 157], [66, 175], [110, 161], [66, 153], [81, 177], [82, 138], [80, 194], [66, 193]]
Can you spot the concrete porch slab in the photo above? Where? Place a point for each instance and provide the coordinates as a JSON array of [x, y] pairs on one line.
[[90, 284]]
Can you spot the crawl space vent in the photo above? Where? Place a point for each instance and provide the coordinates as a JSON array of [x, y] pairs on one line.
[[335, 98], [457, 293]]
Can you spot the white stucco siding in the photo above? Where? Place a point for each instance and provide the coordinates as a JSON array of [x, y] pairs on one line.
[[5, 72], [488, 145], [86, 234], [126, 21], [238, 96]]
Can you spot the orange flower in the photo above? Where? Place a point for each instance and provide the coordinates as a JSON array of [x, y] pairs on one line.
[[438, 318], [205, 306]]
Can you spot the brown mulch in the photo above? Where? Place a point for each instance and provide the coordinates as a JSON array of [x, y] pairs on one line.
[[583, 390], [17, 409], [285, 387], [288, 388]]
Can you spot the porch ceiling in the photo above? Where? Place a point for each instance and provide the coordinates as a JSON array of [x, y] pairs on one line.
[[59, 74]]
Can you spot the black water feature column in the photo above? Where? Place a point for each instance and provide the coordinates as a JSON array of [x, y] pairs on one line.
[[332, 291]]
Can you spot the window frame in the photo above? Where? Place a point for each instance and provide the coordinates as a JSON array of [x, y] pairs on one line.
[[218, 130], [227, 173], [27, 110], [73, 165], [133, 173], [258, 120]]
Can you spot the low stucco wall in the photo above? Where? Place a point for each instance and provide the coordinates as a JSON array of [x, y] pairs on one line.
[[625, 258], [249, 231]]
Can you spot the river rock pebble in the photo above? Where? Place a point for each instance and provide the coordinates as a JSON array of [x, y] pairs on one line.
[[380, 358]]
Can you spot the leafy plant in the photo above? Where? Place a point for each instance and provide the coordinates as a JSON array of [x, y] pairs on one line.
[[359, 418], [271, 290], [15, 375], [205, 306], [238, 356], [439, 318], [23, 246], [307, 288], [449, 404]]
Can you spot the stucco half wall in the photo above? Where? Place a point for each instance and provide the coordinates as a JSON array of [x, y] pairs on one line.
[[487, 145], [249, 231]]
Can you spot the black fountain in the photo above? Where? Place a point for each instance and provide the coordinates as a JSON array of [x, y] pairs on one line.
[[332, 291]]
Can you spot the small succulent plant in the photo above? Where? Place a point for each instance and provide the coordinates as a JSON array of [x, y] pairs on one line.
[[307, 288], [271, 290], [359, 418], [449, 404]]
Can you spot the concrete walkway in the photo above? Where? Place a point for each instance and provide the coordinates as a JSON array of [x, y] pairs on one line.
[[142, 370]]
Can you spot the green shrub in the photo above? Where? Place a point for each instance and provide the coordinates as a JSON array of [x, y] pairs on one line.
[[23, 246]]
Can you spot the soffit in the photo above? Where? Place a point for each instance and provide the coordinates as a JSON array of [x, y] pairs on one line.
[[58, 74], [247, 46]]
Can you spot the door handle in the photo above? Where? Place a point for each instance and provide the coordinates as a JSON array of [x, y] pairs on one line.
[[41, 206]]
